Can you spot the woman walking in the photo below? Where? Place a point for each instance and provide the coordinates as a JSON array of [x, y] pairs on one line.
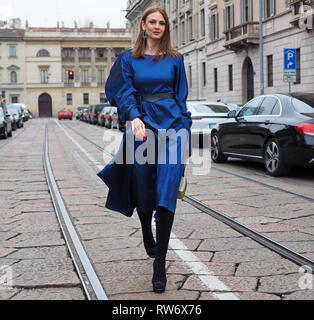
[[148, 85]]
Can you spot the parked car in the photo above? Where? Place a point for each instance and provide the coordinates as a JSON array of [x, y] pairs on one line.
[[24, 110], [5, 124], [16, 111], [275, 129], [78, 112], [65, 114], [205, 115], [94, 111], [84, 116], [111, 121], [103, 114]]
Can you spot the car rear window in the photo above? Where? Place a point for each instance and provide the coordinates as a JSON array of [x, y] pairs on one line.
[[99, 107], [207, 108], [304, 106]]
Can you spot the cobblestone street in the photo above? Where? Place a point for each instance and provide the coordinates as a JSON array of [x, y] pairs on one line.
[[207, 259]]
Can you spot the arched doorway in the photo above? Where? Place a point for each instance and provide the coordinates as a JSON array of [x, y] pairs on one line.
[[44, 105], [247, 80]]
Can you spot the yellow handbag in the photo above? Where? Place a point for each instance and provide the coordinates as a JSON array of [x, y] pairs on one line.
[[182, 187]]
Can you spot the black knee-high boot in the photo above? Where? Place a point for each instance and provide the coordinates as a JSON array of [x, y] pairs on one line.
[[164, 222], [148, 238]]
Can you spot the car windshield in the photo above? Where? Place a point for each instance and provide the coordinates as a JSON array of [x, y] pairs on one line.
[[80, 108], [99, 107], [209, 108], [304, 106]]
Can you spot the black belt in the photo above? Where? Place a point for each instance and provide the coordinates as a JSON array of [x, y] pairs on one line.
[[157, 96]]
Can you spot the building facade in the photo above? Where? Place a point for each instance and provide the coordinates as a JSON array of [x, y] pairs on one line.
[[34, 65], [52, 52], [12, 64], [220, 43]]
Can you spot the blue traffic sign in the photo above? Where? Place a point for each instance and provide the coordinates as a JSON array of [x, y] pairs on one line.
[[290, 59]]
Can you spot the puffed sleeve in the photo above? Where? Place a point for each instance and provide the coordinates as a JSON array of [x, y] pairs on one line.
[[120, 90], [181, 92], [181, 86]]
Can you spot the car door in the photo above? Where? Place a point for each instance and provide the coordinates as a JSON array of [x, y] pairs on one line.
[[264, 120], [236, 135]]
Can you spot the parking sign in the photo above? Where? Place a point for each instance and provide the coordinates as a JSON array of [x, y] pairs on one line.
[[290, 65], [290, 59]]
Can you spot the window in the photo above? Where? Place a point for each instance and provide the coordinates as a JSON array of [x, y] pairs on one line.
[[102, 98], [84, 53], [100, 53], [298, 80], [204, 73], [14, 99], [43, 53], [214, 27], [69, 99], [12, 51], [13, 77], [230, 71], [85, 98], [101, 76], [267, 106], [270, 8], [44, 76], [190, 76], [251, 107], [202, 23], [85, 76], [183, 32], [246, 11], [68, 52], [190, 28], [276, 109], [270, 72], [215, 80], [229, 17]]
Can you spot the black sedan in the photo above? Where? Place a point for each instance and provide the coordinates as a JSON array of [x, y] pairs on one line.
[[275, 129]]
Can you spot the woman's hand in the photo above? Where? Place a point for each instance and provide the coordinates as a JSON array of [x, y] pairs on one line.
[[138, 129]]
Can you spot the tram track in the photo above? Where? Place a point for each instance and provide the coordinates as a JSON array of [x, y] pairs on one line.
[[271, 244], [91, 284]]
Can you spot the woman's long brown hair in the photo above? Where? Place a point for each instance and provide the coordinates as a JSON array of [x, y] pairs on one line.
[[165, 42]]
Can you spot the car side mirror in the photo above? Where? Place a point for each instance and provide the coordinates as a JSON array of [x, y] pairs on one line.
[[232, 114]]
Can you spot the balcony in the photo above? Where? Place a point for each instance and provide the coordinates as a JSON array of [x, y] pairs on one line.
[[68, 84], [85, 59], [301, 14], [242, 36], [67, 59], [85, 84], [101, 59]]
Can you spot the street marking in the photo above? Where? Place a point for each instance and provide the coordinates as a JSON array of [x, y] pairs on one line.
[[88, 155], [205, 275]]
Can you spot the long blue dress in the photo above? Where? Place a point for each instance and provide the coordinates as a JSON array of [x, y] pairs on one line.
[[150, 185]]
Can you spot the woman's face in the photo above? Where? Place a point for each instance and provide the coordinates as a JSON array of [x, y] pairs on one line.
[[154, 26]]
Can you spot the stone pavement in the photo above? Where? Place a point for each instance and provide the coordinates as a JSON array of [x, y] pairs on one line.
[[31, 242]]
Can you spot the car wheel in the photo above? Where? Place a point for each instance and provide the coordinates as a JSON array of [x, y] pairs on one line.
[[273, 159], [216, 153]]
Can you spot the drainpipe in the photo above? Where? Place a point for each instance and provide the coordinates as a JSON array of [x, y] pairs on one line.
[[261, 45]]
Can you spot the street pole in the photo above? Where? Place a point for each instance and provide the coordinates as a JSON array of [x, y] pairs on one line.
[[261, 45]]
